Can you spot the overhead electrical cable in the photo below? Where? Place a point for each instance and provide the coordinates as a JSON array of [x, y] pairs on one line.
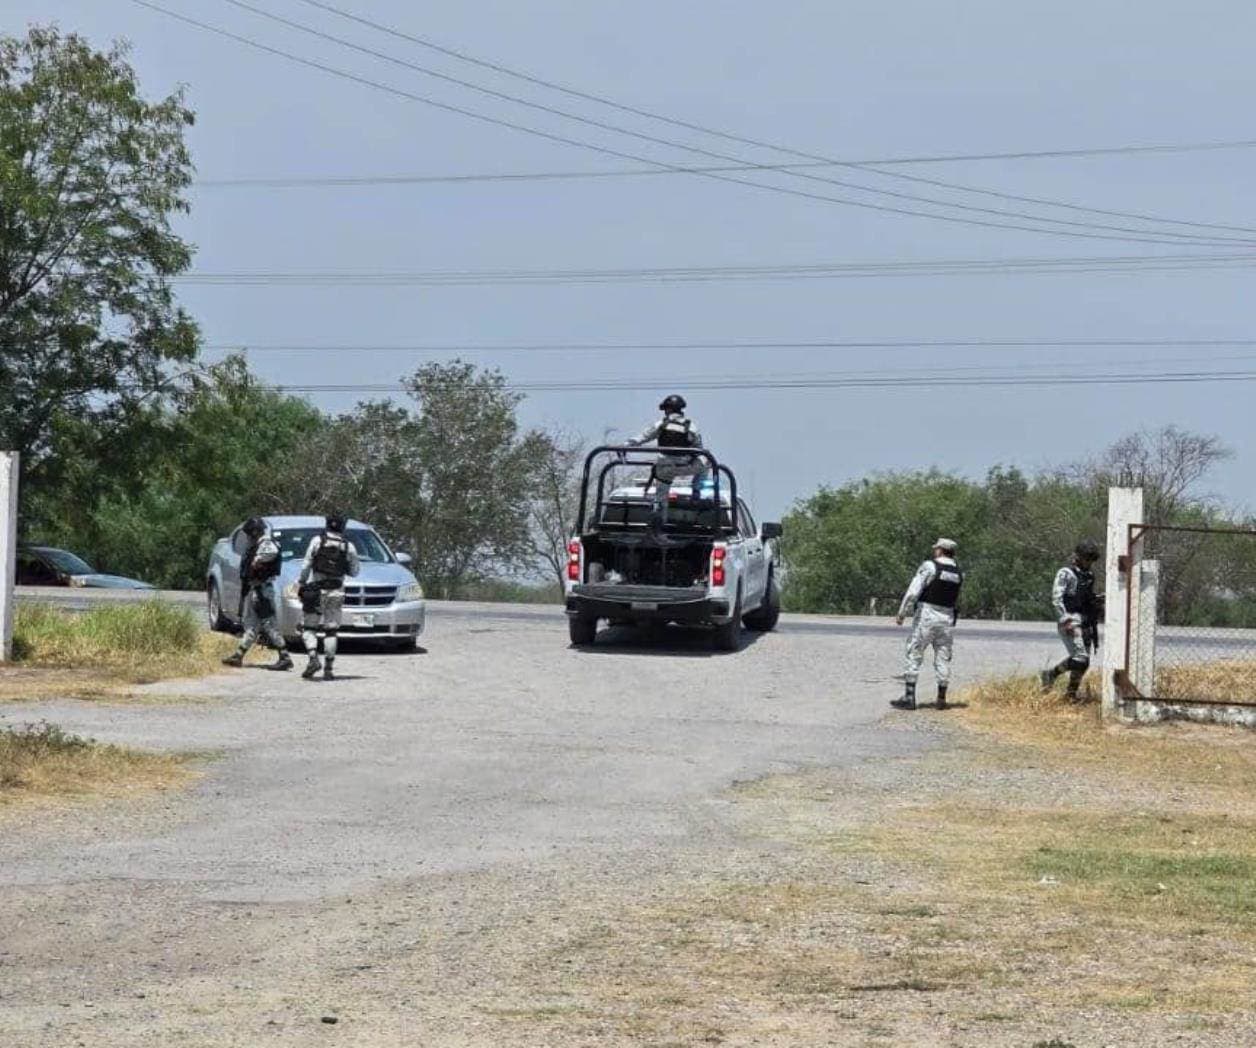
[[740, 139], [731, 346], [487, 118], [1182, 238], [706, 274], [294, 182], [932, 381]]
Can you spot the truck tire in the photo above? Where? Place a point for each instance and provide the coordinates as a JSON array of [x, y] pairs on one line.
[[217, 620], [728, 636], [764, 618], [582, 630]]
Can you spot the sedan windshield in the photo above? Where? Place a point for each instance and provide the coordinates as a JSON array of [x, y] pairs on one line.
[[293, 542], [66, 563]]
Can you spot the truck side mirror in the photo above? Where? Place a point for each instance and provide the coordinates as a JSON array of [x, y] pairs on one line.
[[404, 559], [771, 530]]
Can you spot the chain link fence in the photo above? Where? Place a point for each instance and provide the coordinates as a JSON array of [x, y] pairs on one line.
[[1191, 619]]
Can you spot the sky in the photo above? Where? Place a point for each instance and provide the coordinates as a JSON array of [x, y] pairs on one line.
[[849, 81]]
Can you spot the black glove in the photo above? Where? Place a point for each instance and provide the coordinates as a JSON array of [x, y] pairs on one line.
[[311, 597]]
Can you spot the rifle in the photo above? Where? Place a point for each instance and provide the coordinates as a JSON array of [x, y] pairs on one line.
[[1090, 623], [246, 576]]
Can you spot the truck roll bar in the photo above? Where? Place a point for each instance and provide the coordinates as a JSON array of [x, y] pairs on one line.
[[635, 455]]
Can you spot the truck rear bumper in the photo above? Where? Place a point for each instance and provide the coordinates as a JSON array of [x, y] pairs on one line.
[[646, 604]]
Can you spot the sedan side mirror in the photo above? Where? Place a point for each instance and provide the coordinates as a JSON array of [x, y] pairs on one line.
[[404, 558], [771, 530]]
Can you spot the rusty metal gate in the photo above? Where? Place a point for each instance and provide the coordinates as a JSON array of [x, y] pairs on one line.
[[1190, 616]]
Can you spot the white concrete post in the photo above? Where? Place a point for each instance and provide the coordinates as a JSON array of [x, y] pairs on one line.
[[8, 549], [1143, 642], [1125, 507]]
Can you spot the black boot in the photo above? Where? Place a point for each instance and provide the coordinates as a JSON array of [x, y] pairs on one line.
[[908, 701], [941, 696], [327, 672], [236, 658], [1049, 677], [282, 662], [311, 668], [1074, 685]]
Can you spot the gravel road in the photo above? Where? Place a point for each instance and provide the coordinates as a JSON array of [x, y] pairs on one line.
[[497, 744], [412, 804]]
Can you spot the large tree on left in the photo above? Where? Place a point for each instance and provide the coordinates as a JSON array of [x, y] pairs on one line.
[[91, 175]]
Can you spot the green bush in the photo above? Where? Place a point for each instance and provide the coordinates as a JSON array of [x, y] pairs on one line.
[[109, 633]]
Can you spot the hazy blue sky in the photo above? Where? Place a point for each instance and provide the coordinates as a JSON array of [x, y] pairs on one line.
[[849, 80]]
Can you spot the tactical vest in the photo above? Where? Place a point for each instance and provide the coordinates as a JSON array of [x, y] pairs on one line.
[[676, 433], [332, 558], [1082, 600], [260, 571], [943, 589]]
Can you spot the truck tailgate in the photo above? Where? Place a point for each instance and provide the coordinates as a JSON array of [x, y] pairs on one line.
[[629, 594]]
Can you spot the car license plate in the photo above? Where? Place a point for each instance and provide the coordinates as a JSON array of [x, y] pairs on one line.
[[644, 605], [362, 619]]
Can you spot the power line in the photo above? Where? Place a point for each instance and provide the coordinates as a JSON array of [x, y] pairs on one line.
[[816, 383], [673, 275], [673, 144], [245, 345], [741, 139], [286, 182], [803, 194]]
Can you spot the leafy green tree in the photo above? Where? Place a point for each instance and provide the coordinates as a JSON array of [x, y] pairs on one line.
[[149, 495], [91, 174], [450, 481], [845, 547]]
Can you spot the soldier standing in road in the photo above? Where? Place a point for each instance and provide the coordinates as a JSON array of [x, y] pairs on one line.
[[259, 567], [934, 597], [1077, 612], [321, 585], [673, 430]]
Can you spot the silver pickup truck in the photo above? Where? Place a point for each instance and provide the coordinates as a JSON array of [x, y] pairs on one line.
[[383, 602], [709, 566]]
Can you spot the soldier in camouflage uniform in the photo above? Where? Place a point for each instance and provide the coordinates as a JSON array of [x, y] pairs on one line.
[[321, 585], [259, 567]]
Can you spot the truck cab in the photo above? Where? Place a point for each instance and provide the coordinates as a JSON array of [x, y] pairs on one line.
[[709, 565]]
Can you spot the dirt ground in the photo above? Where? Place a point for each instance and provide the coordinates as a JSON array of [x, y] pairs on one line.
[[905, 901], [1006, 874]]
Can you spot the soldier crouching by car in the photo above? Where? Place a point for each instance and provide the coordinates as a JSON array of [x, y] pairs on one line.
[[259, 567], [321, 587]]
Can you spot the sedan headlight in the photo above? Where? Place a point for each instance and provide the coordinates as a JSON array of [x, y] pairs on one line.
[[410, 591]]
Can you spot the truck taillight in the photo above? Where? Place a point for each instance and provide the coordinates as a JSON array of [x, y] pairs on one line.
[[573, 560], [717, 565]]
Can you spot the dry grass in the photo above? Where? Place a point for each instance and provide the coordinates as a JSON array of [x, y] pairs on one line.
[[1217, 763], [1042, 873], [105, 651], [1231, 680], [42, 760]]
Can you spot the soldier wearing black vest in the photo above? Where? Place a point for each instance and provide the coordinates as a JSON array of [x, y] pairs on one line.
[[259, 567], [934, 597], [321, 585], [1077, 612], [673, 430]]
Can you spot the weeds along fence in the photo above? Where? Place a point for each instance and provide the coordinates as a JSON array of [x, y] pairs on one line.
[[1191, 615]]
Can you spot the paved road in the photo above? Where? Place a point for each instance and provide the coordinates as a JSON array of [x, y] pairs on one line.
[[1181, 644]]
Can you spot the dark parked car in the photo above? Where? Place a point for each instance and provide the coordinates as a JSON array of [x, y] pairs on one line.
[[46, 566]]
